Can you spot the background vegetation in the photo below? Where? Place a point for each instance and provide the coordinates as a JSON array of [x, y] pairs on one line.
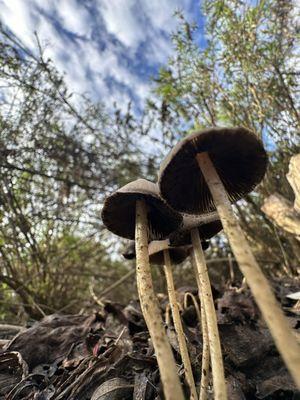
[[60, 154]]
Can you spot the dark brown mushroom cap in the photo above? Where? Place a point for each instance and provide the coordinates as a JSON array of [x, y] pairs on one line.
[[129, 251], [237, 154], [177, 254], [118, 213], [182, 237]]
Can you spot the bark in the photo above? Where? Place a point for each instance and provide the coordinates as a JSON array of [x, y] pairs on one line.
[[280, 210], [293, 177]]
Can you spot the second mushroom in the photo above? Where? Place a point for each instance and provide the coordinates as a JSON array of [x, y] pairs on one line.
[[137, 212]]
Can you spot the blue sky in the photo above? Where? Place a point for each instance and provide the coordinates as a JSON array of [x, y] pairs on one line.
[[107, 48]]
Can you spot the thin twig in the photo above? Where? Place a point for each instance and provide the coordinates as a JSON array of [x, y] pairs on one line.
[[117, 283]]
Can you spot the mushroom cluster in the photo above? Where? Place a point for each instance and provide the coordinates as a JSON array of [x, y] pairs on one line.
[[197, 182]]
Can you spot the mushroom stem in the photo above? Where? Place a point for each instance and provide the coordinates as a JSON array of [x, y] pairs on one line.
[[262, 292], [219, 384], [151, 311], [205, 343], [205, 356], [178, 326], [158, 245]]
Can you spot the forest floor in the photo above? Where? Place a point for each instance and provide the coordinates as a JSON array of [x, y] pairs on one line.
[[108, 354]]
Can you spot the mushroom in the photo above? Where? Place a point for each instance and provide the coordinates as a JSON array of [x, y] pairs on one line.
[[206, 171], [208, 225], [136, 211], [237, 155], [204, 382], [205, 227], [119, 214], [161, 253], [210, 323], [178, 325], [156, 251]]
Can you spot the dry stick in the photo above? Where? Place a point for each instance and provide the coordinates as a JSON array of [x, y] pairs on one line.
[[14, 328], [262, 292], [151, 311], [205, 341], [178, 326], [117, 283], [217, 367]]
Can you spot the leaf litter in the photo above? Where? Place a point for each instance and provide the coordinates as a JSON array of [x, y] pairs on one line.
[[108, 355]]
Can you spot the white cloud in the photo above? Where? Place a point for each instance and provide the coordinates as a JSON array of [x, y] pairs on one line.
[[102, 46], [74, 17], [161, 12], [122, 21], [19, 18]]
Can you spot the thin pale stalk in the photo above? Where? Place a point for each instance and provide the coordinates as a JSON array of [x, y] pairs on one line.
[[189, 294], [217, 367], [205, 342], [178, 326], [262, 292], [205, 357], [151, 311]]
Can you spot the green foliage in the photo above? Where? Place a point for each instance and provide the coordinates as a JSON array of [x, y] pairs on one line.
[[60, 154], [59, 157], [246, 76]]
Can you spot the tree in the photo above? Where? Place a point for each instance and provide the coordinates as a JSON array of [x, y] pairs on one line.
[[59, 157], [60, 154]]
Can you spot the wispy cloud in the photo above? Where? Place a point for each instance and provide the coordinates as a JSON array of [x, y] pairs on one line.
[[106, 48]]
